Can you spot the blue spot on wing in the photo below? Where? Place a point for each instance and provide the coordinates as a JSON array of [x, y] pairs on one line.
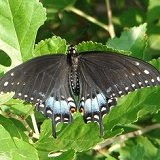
[[58, 111], [65, 108], [50, 102], [58, 107], [101, 99], [94, 109], [94, 104]]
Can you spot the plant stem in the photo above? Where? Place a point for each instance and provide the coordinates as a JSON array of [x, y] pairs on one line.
[[34, 124], [25, 124], [29, 112], [22, 120], [88, 17], [122, 138], [110, 24]]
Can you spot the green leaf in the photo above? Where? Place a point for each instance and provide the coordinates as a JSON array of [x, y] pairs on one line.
[[132, 17], [49, 46], [141, 148], [13, 130], [94, 46], [43, 155], [157, 157], [19, 107], [20, 21], [76, 136], [156, 63], [154, 41], [91, 46], [88, 155], [6, 141], [135, 153], [110, 158], [6, 97], [68, 155], [4, 59], [24, 150], [153, 28], [133, 40], [14, 148], [58, 4], [133, 106], [153, 10]]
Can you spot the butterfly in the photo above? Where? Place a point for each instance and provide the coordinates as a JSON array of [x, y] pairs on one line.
[[97, 78]]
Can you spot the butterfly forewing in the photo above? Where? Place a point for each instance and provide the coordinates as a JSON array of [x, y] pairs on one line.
[[43, 81], [118, 74]]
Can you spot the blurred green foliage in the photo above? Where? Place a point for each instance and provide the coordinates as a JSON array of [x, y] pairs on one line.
[[32, 28], [63, 22]]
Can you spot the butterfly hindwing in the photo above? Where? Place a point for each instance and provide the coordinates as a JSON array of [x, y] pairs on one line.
[[43, 81]]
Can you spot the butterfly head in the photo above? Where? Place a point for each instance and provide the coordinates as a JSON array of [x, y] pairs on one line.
[[72, 50], [73, 57]]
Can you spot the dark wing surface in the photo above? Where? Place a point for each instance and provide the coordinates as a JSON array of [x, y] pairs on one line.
[[42, 81], [104, 76]]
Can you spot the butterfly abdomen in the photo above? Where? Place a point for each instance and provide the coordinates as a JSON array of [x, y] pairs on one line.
[[74, 82]]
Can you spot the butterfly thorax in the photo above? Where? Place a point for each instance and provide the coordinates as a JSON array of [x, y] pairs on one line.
[[73, 60]]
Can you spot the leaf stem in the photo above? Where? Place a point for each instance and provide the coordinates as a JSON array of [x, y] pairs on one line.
[[88, 17], [110, 24], [34, 124], [125, 137], [29, 112], [22, 120]]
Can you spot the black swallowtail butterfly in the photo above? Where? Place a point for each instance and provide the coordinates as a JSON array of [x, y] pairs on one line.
[[97, 78]]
